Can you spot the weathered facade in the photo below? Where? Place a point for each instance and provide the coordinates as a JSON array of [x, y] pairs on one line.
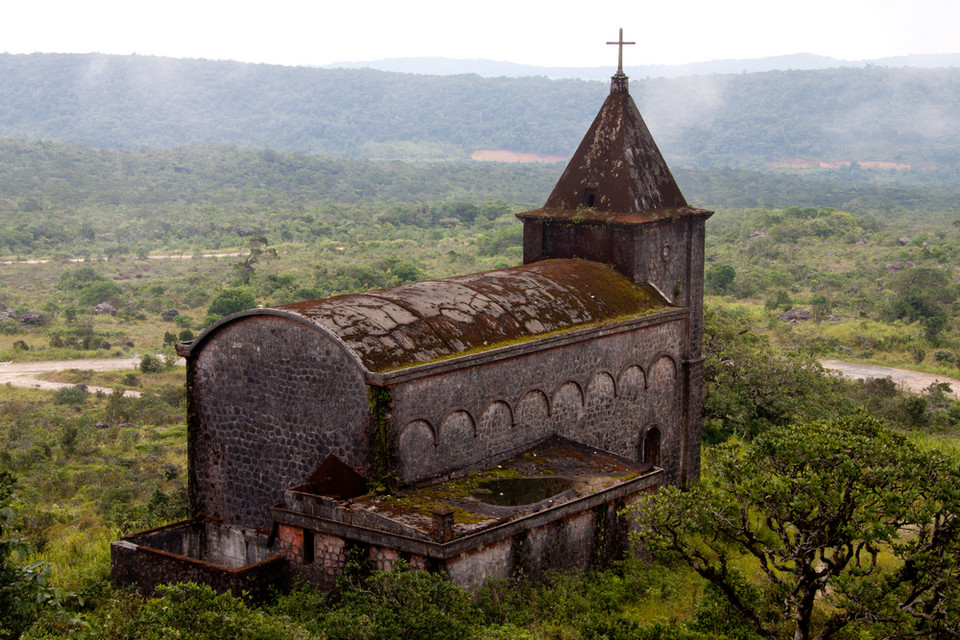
[[376, 422]]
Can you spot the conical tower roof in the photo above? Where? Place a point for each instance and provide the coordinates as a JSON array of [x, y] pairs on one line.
[[617, 167], [617, 173]]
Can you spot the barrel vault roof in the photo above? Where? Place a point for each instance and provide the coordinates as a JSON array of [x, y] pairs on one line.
[[417, 323]]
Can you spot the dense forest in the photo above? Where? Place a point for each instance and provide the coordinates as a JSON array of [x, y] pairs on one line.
[[900, 115], [144, 215], [68, 199]]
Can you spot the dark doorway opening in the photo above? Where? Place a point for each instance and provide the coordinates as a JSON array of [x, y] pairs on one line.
[[651, 447]]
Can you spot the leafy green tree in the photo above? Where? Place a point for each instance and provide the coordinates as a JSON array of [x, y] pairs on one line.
[[720, 278], [89, 286], [923, 293], [750, 386], [847, 523], [258, 248], [78, 278], [492, 209], [229, 301], [781, 300], [821, 306]]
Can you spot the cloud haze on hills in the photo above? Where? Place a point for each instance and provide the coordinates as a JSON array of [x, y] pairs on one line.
[[537, 33]]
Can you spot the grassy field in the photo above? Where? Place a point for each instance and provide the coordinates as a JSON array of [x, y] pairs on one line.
[[91, 467]]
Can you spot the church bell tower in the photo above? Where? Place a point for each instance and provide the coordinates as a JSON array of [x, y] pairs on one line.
[[617, 203]]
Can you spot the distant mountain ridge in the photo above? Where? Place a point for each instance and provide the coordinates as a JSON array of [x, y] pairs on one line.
[[496, 69], [833, 117]]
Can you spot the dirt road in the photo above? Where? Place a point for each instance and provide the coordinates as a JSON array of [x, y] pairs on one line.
[[170, 256], [23, 374], [915, 381]]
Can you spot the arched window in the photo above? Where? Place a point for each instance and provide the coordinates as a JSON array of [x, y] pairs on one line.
[[651, 447]]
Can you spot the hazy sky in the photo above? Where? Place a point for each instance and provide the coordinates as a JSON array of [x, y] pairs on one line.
[[544, 33]]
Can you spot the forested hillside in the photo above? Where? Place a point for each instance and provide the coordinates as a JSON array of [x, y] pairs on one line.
[[67, 199], [907, 116]]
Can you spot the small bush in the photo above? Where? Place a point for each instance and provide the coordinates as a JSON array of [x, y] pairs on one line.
[[152, 364], [130, 380], [914, 410], [400, 604], [77, 394], [780, 301], [199, 613], [9, 326]]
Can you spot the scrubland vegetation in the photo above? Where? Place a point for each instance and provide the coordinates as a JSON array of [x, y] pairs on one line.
[[86, 468], [865, 269]]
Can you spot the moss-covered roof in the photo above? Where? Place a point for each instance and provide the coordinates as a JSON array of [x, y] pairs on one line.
[[417, 323], [586, 470]]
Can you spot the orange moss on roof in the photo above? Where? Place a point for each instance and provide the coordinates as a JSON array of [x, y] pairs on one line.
[[422, 322]]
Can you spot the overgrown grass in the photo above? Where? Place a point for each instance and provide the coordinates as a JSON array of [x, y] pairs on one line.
[[92, 468], [79, 554]]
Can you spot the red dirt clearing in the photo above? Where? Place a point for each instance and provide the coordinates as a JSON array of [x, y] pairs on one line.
[[502, 155]]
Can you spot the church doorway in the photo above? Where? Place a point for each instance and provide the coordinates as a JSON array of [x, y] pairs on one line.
[[650, 447]]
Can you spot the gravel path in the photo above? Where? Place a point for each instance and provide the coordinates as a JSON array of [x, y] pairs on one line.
[[915, 381], [23, 374], [168, 256]]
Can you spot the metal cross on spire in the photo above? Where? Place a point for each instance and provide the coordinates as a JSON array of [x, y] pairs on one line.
[[620, 42]]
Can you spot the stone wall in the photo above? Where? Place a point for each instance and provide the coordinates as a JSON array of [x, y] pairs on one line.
[[661, 253], [694, 298], [605, 392], [176, 553], [576, 540], [316, 557], [593, 537], [270, 398]]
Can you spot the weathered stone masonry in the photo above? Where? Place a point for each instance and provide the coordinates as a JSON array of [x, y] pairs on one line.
[[271, 412], [602, 391]]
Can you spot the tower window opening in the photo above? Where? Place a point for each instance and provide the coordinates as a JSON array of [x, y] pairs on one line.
[[589, 197]]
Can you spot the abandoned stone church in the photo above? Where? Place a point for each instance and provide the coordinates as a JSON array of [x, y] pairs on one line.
[[484, 425]]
